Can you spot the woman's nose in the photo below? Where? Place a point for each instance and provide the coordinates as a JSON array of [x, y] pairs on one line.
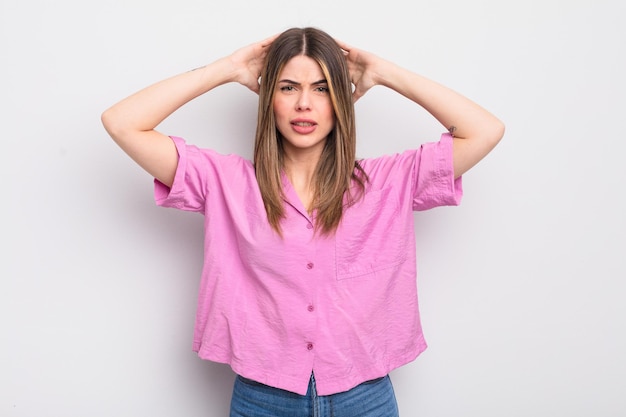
[[303, 101]]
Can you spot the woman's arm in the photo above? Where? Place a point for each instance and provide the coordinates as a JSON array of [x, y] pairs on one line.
[[476, 131], [132, 121]]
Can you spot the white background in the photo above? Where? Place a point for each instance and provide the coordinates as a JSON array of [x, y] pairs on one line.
[[521, 287]]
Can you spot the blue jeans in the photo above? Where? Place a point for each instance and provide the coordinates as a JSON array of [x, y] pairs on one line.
[[374, 398]]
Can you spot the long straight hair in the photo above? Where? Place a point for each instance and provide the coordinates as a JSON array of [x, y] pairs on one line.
[[338, 179]]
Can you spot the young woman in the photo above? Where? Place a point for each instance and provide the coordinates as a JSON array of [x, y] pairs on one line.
[[308, 287]]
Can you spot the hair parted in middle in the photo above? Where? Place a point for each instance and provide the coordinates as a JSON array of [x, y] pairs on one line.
[[338, 180]]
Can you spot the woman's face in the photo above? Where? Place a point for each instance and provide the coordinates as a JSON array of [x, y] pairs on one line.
[[302, 107]]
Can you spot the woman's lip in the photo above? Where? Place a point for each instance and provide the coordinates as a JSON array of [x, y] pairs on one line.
[[303, 121], [303, 126]]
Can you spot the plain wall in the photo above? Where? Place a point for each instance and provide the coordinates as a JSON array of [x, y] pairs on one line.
[[521, 287]]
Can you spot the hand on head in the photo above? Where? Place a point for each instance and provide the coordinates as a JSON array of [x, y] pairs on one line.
[[248, 62], [361, 65]]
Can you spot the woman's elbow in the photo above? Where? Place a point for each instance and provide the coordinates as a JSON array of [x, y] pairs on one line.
[[494, 134], [108, 121], [499, 130], [111, 122]]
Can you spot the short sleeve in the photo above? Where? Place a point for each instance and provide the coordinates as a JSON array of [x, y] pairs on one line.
[[434, 183], [190, 186]]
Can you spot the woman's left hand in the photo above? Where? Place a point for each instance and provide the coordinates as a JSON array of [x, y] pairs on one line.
[[362, 66]]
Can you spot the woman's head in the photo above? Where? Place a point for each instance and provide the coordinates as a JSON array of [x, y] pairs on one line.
[[336, 165], [322, 48]]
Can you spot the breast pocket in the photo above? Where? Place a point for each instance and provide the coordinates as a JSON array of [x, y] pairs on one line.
[[371, 236]]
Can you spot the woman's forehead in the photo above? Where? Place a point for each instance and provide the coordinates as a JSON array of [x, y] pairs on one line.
[[301, 68]]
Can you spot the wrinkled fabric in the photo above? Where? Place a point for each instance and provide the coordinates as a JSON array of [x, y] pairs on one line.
[[343, 306]]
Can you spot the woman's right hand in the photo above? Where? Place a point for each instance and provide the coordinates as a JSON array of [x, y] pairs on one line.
[[248, 61]]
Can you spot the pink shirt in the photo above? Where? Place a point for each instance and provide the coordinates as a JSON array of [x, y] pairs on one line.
[[344, 306]]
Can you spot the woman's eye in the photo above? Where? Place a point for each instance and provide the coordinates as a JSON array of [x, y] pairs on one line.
[[322, 89], [287, 88]]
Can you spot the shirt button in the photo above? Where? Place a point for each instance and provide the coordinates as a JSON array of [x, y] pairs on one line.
[[309, 346], [310, 307], [310, 265], [309, 226]]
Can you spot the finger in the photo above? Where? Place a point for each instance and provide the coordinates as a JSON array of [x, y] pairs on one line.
[[346, 48], [343, 45]]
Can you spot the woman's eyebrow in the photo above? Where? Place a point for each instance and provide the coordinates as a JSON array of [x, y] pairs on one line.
[[297, 83]]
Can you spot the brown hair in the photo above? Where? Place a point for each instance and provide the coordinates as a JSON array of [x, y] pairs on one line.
[[337, 168]]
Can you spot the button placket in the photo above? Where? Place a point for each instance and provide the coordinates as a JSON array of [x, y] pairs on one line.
[[310, 265]]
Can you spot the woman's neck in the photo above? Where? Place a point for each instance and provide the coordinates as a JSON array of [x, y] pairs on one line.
[[301, 176]]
